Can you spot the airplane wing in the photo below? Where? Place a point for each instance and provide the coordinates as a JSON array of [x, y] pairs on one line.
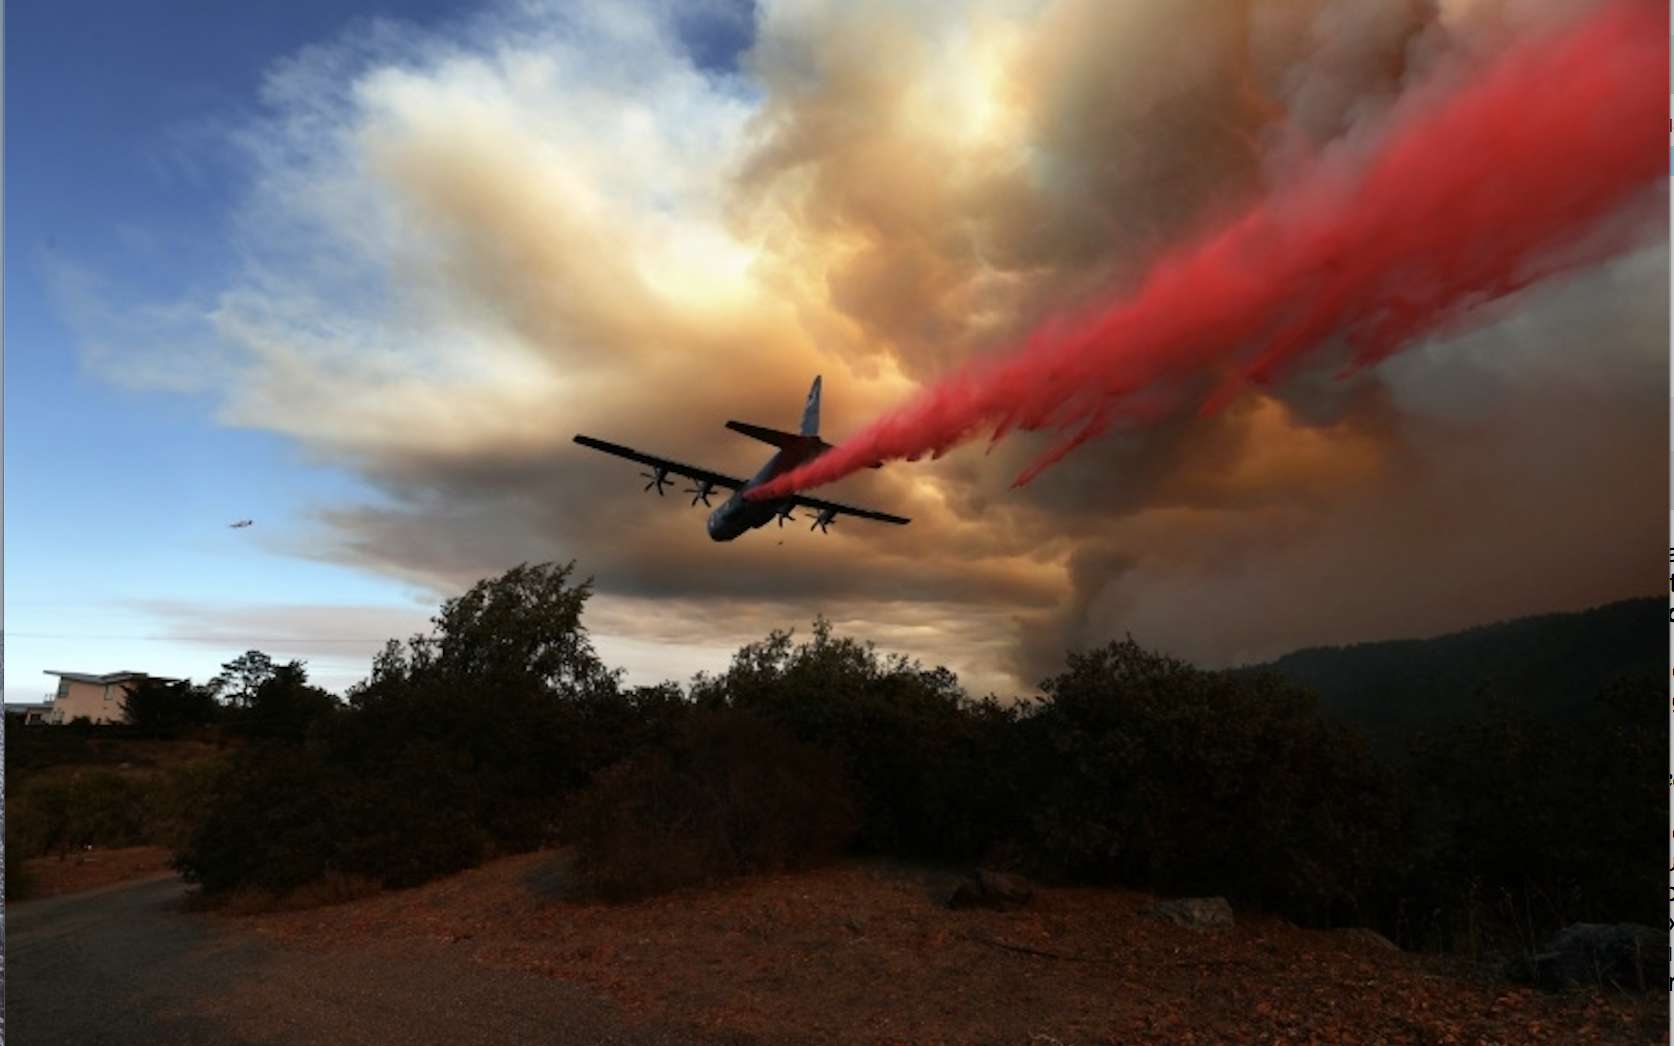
[[839, 509], [663, 464]]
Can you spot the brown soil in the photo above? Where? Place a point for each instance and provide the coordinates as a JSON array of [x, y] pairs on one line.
[[90, 869], [864, 953]]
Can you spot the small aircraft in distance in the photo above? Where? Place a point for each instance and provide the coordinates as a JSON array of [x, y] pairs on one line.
[[738, 514], [241, 523]]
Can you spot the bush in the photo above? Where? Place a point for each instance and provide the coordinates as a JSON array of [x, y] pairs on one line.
[[163, 709], [927, 765], [89, 808], [502, 727], [731, 795], [283, 706], [1526, 825], [1151, 773], [20, 883], [286, 818], [177, 800]]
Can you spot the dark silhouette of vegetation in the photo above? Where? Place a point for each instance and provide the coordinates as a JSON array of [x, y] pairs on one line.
[[163, 709], [1548, 665], [59, 815], [284, 706], [462, 742], [241, 676], [501, 731], [728, 795], [1145, 771], [926, 761], [20, 884], [1526, 824]]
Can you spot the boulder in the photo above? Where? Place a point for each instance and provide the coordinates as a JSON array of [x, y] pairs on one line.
[[986, 889], [1371, 937], [1195, 913], [1626, 955]]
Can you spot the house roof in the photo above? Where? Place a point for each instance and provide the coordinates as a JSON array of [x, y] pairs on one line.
[[107, 678]]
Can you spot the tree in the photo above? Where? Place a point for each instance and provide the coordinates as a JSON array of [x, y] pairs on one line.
[[284, 705], [521, 628], [166, 708], [241, 676]]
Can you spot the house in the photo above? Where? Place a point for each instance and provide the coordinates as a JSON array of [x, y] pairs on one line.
[[31, 713], [99, 698]]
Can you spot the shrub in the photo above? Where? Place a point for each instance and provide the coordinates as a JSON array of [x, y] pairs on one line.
[[286, 818], [164, 709], [926, 764], [730, 796], [65, 813], [20, 883], [1154, 774], [178, 799], [283, 705], [1528, 824]]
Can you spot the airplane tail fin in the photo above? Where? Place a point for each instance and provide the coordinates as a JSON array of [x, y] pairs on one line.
[[811, 410], [807, 439]]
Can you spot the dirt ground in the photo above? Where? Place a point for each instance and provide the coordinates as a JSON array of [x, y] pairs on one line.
[[862, 952], [90, 869]]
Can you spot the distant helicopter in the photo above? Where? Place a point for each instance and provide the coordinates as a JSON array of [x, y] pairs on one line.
[[241, 524]]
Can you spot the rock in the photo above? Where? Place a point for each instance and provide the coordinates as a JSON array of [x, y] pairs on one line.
[[986, 889], [1624, 954], [1196, 913], [1371, 937]]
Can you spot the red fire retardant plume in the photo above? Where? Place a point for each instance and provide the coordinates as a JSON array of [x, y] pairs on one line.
[[1498, 184]]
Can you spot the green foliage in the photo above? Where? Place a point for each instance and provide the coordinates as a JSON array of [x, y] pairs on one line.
[[462, 741], [92, 807], [729, 795], [502, 726], [924, 760], [177, 800], [519, 630], [285, 817]]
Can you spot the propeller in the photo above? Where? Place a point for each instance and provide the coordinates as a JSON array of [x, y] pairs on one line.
[[701, 492], [658, 480], [826, 518], [784, 514]]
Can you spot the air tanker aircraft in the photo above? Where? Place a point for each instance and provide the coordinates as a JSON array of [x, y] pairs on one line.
[[736, 514]]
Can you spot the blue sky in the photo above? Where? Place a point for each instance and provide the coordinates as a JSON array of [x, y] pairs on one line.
[[120, 181], [118, 497]]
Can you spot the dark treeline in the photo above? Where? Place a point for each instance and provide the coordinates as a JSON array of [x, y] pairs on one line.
[[501, 731], [1549, 665]]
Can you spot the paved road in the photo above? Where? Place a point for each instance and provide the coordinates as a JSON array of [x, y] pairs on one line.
[[124, 965]]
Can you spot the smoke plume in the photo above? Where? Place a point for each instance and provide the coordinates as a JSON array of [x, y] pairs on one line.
[[1470, 196]]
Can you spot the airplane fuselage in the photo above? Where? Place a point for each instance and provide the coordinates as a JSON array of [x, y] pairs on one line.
[[738, 515]]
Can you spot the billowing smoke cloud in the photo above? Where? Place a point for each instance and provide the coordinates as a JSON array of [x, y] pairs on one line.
[[464, 247], [1471, 197]]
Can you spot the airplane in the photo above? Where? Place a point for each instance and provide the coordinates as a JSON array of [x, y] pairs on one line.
[[241, 523], [738, 514]]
